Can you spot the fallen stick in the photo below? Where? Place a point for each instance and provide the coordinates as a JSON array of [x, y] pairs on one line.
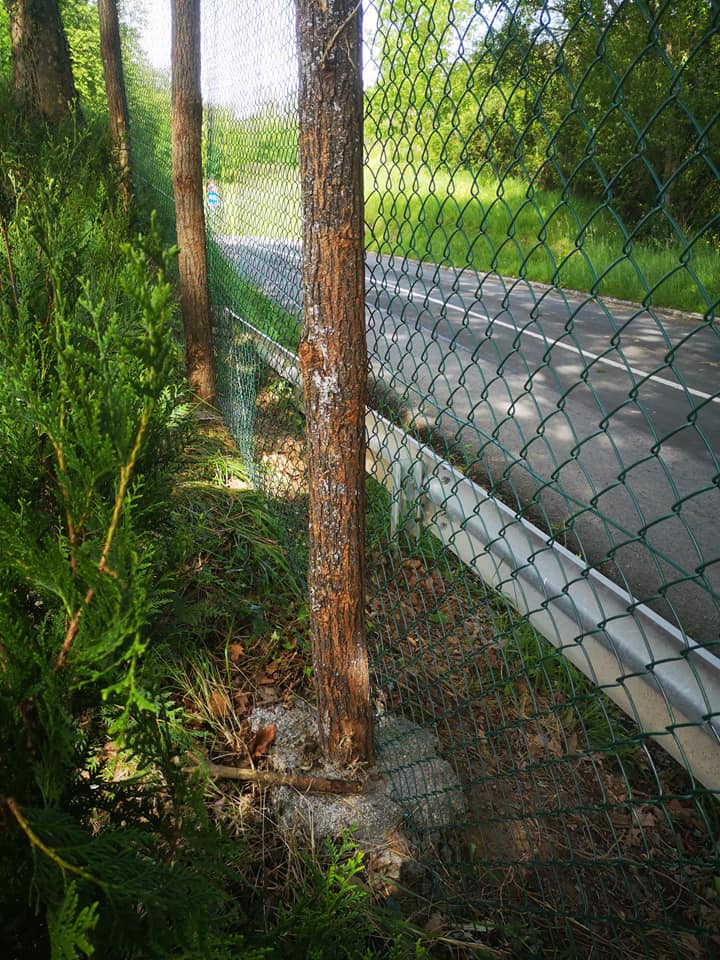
[[309, 784]]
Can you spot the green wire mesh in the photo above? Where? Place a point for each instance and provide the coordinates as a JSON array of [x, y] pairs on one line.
[[542, 191]]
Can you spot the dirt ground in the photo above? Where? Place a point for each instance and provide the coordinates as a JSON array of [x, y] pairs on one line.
[[581, 838]]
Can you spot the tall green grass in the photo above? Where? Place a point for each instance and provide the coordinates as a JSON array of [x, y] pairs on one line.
[[229, 289], [516, 230], [506, 228]]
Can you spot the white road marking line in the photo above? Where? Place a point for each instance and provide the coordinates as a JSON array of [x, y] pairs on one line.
[[565, 346]]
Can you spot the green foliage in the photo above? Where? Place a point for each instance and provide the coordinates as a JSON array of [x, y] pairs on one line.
[[80, 21], [557, 99], [104, 842], [234, 146], [70, 926], [5, 55], [578, 146], [148, 95], [82, 29], [333, 916], [115, 562]]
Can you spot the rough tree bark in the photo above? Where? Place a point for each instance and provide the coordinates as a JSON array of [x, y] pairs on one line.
[[115, 91], [333, 359], [188, 190], [42, 73]]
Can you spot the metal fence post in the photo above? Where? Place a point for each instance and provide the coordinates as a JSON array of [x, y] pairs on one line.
[[333, 360]]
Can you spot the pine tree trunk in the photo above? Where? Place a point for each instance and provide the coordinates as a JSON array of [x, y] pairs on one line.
[[115, 90], [188, 190], [42, 72], [333, 359]]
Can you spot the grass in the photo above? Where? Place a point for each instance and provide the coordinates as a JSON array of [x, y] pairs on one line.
[[237, 633], [230, 289], [516, 231], [264, 203], [234, 550], [507, 228]]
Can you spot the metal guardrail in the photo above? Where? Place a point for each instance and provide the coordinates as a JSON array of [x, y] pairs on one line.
[[667, 684]]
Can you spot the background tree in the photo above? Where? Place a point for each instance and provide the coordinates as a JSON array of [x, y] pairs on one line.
[[188, 190], [115, 88], [613, 101], [42, 72], [5, 52]]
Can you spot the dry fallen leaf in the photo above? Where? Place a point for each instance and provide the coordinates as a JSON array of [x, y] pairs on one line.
[[262, 741], [265, 677], [243, 701], [268, 694], [647, 817], [492, 657], [219, 703], [235, 651], [435, 925], [541, 747]]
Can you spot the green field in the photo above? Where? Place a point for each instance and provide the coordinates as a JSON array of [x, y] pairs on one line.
[[507, 229]]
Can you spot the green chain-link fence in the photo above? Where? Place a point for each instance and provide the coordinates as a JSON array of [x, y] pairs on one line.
[[542, 192]]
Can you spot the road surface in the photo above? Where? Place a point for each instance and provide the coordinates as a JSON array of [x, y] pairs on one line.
[[580, 412]]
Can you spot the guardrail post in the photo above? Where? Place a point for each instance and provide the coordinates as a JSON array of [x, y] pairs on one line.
[[333, 361], [407, 478]]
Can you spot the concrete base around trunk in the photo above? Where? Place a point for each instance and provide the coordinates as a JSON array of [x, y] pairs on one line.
[[410, 798]]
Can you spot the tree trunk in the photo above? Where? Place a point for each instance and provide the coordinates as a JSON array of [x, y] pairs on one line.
[[115, 90], [333, 359], [42, 72], [188, 190]]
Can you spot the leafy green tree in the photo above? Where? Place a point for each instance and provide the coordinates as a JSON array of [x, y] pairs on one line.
[[5, 50], [416, 50], [614, 101], [80, 20], [90, 428]]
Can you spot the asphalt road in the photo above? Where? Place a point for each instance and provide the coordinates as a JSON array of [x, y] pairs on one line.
[[600, 412]]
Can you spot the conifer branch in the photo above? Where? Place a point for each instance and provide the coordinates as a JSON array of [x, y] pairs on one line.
[[37, 842], [126, 472], [72, 533], [11, 268], [125, 476]]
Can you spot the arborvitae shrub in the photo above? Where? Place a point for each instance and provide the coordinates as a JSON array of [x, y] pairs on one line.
[[104, 847]]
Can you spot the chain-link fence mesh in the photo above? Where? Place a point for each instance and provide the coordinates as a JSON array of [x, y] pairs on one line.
[[147, 82], [542, 233]]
